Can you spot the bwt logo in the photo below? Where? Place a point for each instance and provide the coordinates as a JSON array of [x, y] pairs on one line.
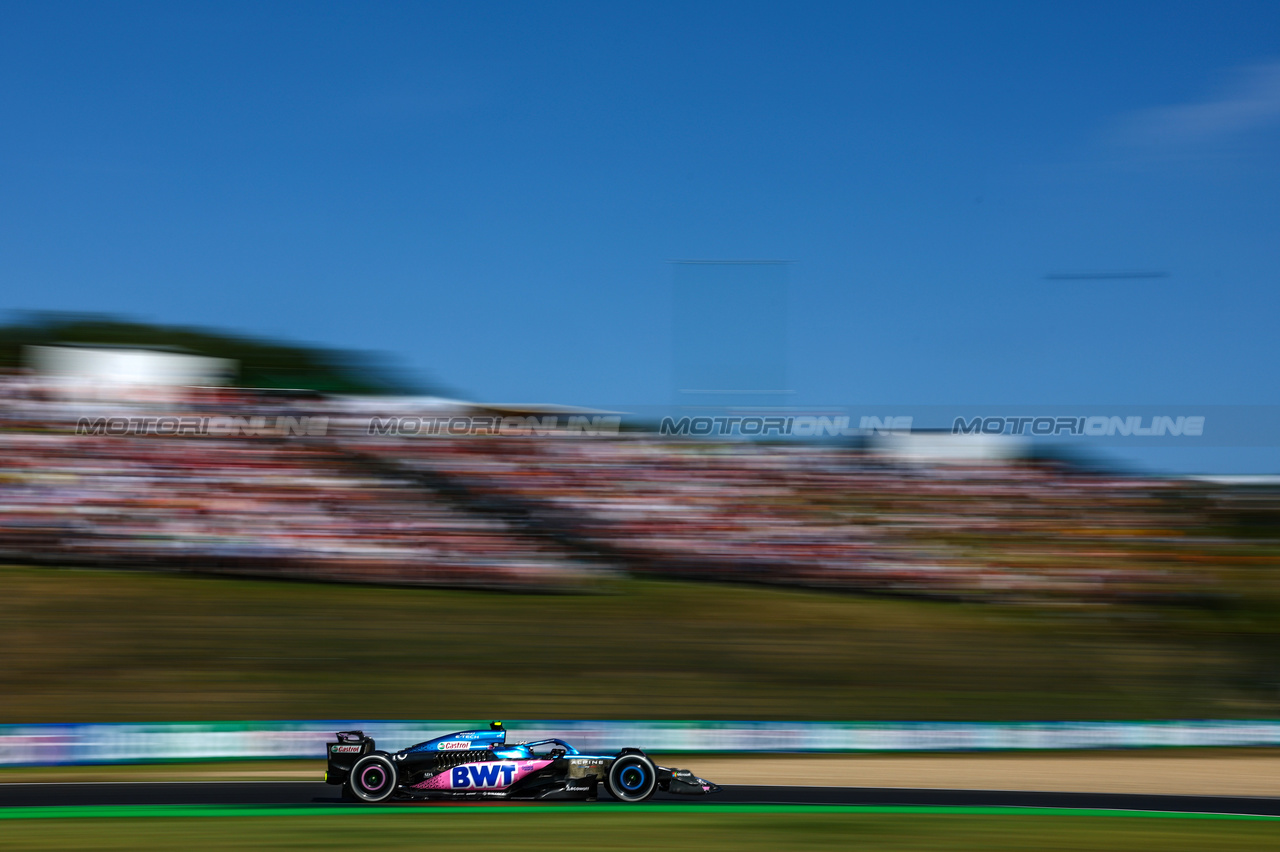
[[481, 775], [1093, 427], [804, 426]]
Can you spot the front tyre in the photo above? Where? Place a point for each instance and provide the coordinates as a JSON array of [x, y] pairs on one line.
[[632, 778], [372, 779]]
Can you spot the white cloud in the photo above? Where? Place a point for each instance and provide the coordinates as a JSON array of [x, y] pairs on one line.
[[1251, 101]]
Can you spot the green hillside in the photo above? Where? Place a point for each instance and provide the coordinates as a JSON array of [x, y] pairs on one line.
[[116, 646], [262, 363]]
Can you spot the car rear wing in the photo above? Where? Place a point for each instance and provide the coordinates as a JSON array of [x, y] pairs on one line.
[[343, 754]]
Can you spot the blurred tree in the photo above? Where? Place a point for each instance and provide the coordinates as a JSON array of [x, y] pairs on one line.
[[262, 364]]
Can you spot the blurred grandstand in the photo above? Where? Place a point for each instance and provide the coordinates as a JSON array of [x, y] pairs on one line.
[[557, 511]]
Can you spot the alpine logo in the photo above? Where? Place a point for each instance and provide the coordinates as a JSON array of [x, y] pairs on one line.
[[479, 776]]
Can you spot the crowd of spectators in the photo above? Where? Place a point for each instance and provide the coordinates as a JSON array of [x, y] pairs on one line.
[[265, 506], [832, 517], [557, 510]]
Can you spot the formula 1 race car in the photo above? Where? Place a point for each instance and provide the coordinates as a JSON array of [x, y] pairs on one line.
[[480, 764]]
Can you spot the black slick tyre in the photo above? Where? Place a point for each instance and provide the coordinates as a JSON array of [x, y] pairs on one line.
[[373, 779], [632, 778]]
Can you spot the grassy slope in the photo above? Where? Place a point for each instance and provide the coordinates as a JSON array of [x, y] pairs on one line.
[[102, 646], [490, 829]]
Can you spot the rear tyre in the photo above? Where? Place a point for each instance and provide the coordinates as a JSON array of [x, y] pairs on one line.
[[632, 778], [372, 779]]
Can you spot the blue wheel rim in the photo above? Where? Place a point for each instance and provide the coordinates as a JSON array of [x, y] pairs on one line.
[[633, 777]]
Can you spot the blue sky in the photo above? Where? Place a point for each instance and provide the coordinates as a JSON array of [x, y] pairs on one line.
[[491, 193]]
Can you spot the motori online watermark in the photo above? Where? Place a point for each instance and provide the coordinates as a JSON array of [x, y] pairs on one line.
[[284, 426], [506, 425], [218, 426], [1096, 426], [799, 426]]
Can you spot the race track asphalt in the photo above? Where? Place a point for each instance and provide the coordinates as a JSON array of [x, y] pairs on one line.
[[311, 793]]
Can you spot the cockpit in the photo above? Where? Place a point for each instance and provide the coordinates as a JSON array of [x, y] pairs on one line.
[[537, 750]]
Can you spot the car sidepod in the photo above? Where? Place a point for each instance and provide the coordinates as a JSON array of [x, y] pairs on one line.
[[532, 778]]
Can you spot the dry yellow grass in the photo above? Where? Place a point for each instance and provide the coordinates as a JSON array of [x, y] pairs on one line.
[[1162, 773]]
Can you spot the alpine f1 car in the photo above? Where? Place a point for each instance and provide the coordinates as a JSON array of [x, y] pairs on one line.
[[480, 764]]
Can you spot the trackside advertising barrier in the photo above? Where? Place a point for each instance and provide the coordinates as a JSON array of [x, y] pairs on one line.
[[50, 745]]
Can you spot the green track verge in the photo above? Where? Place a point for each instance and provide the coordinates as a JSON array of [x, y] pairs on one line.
[[704, 828], [203, 811]]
